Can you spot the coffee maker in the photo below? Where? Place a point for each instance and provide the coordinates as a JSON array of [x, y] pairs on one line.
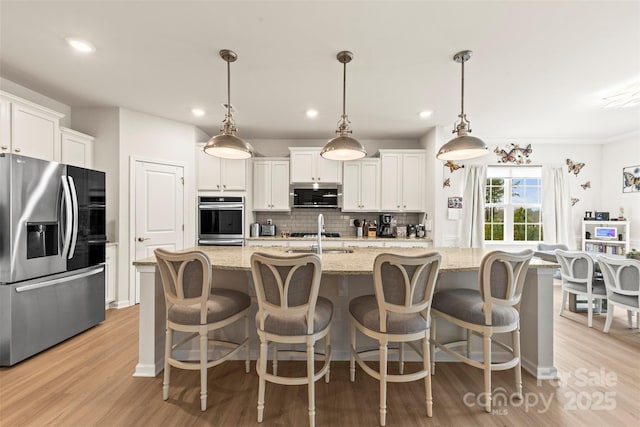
[[384, 226]]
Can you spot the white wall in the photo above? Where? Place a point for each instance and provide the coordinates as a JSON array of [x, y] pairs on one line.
[[551, 152], [616, 155], [151, 138]]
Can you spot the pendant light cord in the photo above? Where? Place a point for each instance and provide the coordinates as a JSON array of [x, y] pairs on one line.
[[228, 89], [344, 90], [462, 92]]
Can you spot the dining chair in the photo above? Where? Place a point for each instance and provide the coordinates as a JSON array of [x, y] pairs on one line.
[[398, 312], [195, 307], [578, 278], [291, 312], [622, 283], [492, 309]]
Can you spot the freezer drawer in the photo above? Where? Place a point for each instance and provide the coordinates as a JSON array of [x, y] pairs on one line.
[[37, 314]]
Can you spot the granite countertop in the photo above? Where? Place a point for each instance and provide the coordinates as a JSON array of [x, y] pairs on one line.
[[358, 262], [342, 238]]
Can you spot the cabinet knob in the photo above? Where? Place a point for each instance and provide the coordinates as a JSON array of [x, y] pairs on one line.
[[318, 178], [313, 179], [4, 147], [17, 150], [218, 185], [398, 206], [224, 186]]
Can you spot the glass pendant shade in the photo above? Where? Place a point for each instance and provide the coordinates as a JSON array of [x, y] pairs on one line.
[[228, 147], [343, 148], [463, 146]]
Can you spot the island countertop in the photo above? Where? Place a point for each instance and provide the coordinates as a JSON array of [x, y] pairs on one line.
[[360, 261]]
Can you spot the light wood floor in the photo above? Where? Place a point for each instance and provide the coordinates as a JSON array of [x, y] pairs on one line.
[[87, 381]]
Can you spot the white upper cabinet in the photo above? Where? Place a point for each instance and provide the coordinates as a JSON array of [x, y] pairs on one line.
[[361, 185], [77, 148], [29, 129], [270, 185], [308, 166], [403, 186], [216, 174]]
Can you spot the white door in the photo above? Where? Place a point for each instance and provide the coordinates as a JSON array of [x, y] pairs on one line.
[[159, 208]]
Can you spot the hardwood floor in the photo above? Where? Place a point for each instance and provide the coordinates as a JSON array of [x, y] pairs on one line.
[[87, 381]]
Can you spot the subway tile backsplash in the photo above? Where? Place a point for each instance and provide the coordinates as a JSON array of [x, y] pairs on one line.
[[335, 221]]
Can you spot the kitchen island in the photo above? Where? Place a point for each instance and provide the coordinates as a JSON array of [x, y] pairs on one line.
[[346, 276]]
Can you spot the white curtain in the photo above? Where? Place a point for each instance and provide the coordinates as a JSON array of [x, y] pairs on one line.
[[556, 207], [475, 180]]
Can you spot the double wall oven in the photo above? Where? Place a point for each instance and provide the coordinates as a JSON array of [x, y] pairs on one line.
[[221, 221]]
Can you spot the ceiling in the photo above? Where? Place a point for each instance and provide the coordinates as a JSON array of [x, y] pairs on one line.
[[539, 69]]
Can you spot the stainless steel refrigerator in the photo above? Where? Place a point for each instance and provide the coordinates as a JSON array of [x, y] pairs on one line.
[[52, 252]]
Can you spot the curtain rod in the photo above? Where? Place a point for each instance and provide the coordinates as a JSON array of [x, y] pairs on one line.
[[514, 166]]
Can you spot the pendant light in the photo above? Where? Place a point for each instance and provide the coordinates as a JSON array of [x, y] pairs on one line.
[[226, 144], [343, 147], [464, 146]]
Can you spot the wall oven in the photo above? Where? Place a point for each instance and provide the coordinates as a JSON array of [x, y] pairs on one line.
[[221, 221]]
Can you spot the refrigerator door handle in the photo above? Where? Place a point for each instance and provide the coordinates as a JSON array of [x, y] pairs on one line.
[[53, 282], [68, 226], [74, 236]]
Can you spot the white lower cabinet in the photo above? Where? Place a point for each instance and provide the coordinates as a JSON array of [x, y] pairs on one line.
[[111, 273]]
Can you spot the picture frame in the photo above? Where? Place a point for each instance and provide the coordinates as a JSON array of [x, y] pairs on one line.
[[454, 203], [631, 179]]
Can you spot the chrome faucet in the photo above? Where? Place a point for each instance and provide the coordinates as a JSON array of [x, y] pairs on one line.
[[320, 228]]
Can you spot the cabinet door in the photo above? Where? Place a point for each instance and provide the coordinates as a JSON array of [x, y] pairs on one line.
[[262, 185], [370, 185], [233, 175], [110, 268], [391, 185], [77, 149], [413, 182], [280, 185], [5, 126], [208, 170], [303, 166], [328, 171], [34, 133], [351, 186]]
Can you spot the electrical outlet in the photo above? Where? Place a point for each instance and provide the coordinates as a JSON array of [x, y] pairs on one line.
[[427, 225], [351, 222], [269, 221]]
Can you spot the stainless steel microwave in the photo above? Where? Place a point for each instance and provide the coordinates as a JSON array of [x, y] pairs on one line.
[[316, 198]]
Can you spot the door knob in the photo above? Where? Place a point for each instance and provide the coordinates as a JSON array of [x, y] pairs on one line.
[[142, 239]]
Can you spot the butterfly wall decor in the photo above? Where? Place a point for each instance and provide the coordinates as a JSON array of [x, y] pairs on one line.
[[446, 183], [574, 201], [574, 167], [452, 166], [514, 153], [631, 179], [586, 185]]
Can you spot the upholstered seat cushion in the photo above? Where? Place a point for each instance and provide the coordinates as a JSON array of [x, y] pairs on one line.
[[596, 289], [296, 325], [222, 304], [365, 310], [466, 305], [628, 300]]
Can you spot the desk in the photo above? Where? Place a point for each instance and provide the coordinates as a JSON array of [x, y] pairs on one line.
[[346, 276]]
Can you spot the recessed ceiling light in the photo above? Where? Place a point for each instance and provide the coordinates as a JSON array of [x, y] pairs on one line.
[[312, 113], [198, 112], [425, 114], [82, 46]]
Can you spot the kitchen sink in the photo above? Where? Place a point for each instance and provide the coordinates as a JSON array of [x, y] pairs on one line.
[[324, 251]]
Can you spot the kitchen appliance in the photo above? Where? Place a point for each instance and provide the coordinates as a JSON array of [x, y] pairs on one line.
[[411, 231], [315, 198], [52, 253], [254, 230], [384, 228], [267, 230], [221, 221], [420, 232]]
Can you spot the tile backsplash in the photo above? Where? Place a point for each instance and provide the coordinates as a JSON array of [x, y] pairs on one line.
[[335, 221]]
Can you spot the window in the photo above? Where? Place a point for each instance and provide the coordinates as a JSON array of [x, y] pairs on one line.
[[513, 205]]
